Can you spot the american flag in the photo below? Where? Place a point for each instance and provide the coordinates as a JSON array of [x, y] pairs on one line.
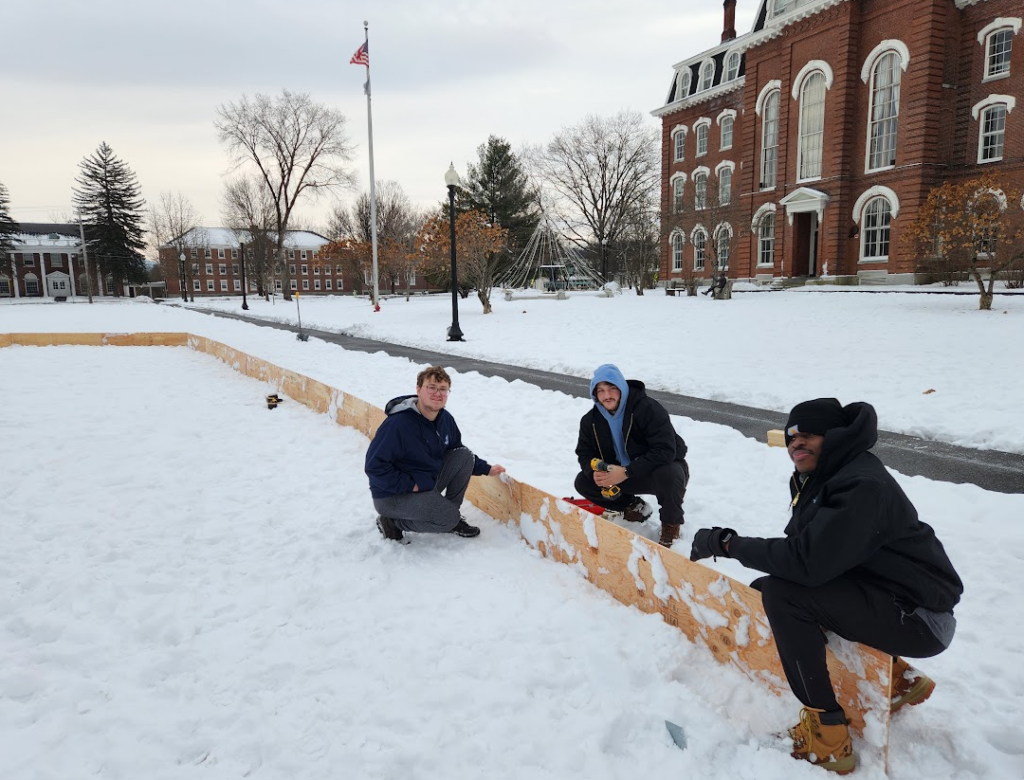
[[362, 56]]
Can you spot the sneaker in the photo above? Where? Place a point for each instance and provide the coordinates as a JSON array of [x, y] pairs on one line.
[[669, 533], [909, 686], [822, 744], [462, 528], [388, 529], [638, 511]]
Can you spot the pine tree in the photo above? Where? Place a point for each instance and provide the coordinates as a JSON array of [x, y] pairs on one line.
[[112, 212], [498, 186], [8, 227]]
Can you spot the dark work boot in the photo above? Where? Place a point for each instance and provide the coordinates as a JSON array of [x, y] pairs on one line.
[[462, 528], [388, 529], [669, 533]]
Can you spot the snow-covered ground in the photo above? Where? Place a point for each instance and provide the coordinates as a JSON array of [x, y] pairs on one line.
[[193, 585]]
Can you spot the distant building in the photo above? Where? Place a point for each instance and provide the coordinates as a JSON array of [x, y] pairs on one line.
[[46, 263], [214, 266], [814, 138]]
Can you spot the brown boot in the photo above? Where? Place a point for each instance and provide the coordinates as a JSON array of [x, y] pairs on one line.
[[909, 686], [669, 533], [824, 745]]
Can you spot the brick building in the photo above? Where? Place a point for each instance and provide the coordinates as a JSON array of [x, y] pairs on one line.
[[213, 266], [805, 145], [47, 263]]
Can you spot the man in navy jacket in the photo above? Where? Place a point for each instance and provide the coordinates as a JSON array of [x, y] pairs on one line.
[[855, 560], [418, 468]]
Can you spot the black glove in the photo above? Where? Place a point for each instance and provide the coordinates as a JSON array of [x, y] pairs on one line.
[[709, 542]]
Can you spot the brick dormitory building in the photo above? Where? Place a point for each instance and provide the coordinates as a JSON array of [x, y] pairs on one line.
[[213, 266], [815, 138]]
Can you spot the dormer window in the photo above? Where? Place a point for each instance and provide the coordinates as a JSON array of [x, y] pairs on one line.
[[683, 84], [707, 75], [732, 66]]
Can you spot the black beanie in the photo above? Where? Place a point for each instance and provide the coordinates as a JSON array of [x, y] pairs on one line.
[[816, 417]]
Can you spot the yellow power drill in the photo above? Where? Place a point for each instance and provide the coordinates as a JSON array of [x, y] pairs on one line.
[[613, 490]]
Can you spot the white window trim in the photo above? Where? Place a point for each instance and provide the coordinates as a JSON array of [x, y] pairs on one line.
[[763, 94], [881, 49], [727, 113], [700, 75], [704, 122], [730, 112], [992, 100], [699, 228], [864, 233], [676, 131], [756, 221], [805, 73], [678, 176], [875, 192], [778, 136], [807, 70], [682, 94], [978, 112], [877, 53], [725, 65], [725, 164], [672, 250], [985, 40]]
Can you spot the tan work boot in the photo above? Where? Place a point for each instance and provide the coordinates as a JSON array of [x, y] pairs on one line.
[[669, 533], [824, 745], [909, 686]]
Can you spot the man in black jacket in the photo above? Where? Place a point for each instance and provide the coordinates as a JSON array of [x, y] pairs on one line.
[[855, 560], [633, 435]]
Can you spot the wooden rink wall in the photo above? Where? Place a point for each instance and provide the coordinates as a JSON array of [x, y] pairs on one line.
[[710, 608]]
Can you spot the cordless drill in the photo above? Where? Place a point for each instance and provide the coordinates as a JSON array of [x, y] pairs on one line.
[[611, 491]]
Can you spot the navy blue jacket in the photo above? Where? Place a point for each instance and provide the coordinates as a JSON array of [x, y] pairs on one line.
[[408, 449]]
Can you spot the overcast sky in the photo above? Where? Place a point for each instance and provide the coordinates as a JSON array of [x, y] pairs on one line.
[[147, 79]]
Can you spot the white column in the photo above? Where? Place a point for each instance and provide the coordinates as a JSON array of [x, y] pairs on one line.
[[14, 277]]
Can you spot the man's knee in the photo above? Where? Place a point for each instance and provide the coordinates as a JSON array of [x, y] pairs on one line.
[[459, 459]]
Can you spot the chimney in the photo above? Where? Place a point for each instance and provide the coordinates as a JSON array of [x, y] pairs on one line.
[[729, 24]]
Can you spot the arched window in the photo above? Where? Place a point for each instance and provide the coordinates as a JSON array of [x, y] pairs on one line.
[[875, 233], [812, 126], [707, 75], [732, 66], [770, 140], [993, 133], [683, 84], [727, 122], [702, 138], [883, 113], [678, 190], [724, 186], [700, 191], [766, 239], [679, 142], [723, 241], [677, 251], [998, 46], [700, 239]]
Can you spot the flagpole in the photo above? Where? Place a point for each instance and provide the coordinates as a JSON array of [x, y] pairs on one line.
[[373, 181]]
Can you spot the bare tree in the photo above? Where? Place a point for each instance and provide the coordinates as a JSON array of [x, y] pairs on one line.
[[603, 170], [174, 222], [249, 211], [296, 146], [397, 223]]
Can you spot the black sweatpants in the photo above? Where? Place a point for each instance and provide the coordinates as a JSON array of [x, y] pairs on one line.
[[667, 483], [852, 609]]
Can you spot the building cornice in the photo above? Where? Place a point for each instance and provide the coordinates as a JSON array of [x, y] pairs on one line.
[[700, 97]]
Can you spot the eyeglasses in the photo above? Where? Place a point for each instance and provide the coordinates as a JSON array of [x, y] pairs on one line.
[[435, 390]]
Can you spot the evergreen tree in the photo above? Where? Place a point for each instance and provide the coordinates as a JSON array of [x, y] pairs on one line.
[[112, 210], [8, 227], [498, 186]]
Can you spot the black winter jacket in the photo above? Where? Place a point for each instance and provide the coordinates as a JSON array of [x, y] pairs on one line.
[[851, 518], [651, 441]]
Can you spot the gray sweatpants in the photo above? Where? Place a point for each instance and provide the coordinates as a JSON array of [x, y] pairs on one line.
[[430, 512]]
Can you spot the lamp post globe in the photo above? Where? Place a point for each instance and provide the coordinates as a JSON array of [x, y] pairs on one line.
[[181, 277], [451, 180]]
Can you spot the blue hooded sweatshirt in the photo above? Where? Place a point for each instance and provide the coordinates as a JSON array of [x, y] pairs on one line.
[[610, 373]]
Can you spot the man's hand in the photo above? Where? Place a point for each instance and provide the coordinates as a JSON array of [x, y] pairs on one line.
[[495, 470], [708, 542], [613, 476]]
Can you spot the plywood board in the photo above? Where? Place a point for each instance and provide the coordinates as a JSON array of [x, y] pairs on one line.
[[707, 606]]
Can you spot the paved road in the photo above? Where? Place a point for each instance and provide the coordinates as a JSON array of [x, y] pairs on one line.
[[1002, 472]]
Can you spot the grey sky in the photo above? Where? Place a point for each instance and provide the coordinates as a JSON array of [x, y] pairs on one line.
[[147, 79]]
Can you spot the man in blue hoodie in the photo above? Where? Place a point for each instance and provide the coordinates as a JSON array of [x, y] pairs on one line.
[[417, 465], [633, 435]]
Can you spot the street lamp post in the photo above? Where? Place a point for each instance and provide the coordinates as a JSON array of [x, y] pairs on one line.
[[184, 282], [604, 261], [451, 179], [245, 303]]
